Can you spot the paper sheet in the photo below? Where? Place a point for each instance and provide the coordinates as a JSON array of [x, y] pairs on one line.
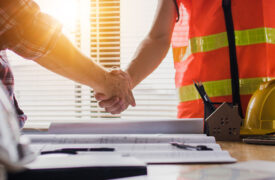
[[124, 126], [100, 160], [183, 157], [148, 148], [120, 138], [153, 153], [123, 147]]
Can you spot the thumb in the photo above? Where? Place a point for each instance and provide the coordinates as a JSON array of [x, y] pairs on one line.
[[100, 97], [115, 70]]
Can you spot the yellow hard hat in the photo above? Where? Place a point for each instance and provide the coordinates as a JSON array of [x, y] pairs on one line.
[[260, 114]]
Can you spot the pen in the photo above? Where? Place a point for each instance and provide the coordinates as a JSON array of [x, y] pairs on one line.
[[75, 150], [184, 146], [89, 149], [200, 88]]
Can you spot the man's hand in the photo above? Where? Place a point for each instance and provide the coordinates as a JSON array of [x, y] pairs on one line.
[[119, 95]]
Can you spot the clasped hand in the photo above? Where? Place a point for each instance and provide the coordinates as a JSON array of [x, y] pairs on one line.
[[118, 94]]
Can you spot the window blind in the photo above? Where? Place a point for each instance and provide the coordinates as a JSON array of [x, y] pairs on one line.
[[156, 95], [105, 32], [104, 48], [109, 31], [105, 37]]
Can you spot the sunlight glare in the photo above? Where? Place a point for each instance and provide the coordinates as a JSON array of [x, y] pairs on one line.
[[65, 11]]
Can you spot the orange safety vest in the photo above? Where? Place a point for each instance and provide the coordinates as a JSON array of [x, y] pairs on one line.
[[201, 53]]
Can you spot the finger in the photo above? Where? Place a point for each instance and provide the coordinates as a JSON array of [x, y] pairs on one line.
[[115, 70], [123, 107], [131, 98], [112, 109], [100, 97], [126, 97], [108, 103], [119, 109]]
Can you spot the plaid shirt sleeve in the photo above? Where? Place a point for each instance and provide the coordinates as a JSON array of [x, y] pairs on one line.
[[25, 30], [7, 79]]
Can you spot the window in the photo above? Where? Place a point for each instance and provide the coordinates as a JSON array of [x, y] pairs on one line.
[[156, 95], [109, 31]]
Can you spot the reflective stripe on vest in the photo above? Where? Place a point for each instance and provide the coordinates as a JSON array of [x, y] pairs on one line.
[[216, 41], [220, 88], [244, 37]]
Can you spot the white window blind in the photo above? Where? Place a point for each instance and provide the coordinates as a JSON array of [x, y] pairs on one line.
[[156, 95], [109, 31]]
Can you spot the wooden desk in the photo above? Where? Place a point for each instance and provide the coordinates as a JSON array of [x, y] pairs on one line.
[[238, 150]]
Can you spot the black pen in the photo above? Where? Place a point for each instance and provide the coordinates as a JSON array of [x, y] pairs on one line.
[[184, 146], [76, 150], [88, 149], [200, 88]]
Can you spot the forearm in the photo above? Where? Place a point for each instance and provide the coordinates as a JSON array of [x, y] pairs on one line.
[[68, 61], [154, 47], [147, 58]]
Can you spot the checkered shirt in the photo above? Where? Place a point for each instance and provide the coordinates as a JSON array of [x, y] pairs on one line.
[[27, 32]]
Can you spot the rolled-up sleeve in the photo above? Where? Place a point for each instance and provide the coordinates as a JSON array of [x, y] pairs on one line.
[[25, 30]]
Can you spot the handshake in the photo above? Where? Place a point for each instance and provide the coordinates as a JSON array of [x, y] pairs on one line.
[[115, 94]]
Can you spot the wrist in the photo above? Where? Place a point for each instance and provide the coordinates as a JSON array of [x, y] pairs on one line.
[[130, 78], [101, 80]]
